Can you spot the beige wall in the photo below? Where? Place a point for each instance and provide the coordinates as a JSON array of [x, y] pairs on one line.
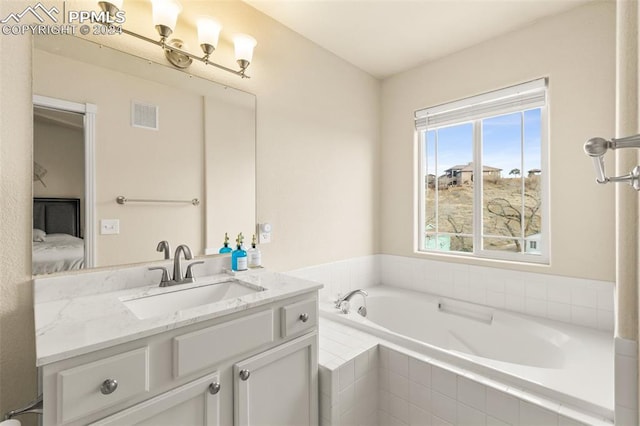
[[576, 50], [230, 167], [17, 348], [317, 156], [60, 150], [627, 123]]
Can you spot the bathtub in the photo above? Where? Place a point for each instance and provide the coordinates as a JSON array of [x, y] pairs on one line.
[[567, 364]]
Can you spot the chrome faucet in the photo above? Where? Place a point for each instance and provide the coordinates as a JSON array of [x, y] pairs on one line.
[[343, 302], [177, 266], [165, 281], [349, 295]]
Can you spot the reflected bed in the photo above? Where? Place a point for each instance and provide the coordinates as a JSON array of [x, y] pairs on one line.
[[57, 242]]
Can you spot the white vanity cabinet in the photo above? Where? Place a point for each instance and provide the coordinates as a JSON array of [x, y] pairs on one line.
[[276, 387], [254, 367]]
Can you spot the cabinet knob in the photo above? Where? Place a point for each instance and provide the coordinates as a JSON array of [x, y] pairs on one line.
[[244, 374], [109, 386], [304, 317], [214, 388]]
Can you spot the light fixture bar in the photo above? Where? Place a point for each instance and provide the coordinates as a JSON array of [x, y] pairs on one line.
[[167, 12], [174, 49]]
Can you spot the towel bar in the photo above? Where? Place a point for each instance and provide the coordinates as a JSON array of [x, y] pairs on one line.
[[34, 406], [123, 200]]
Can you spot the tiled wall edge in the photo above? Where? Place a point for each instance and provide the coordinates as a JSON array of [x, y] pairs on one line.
[[626, 381], [342, 276], [573, 300]]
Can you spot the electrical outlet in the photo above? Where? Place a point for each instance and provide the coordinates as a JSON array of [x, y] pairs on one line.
[[264, 233], [109, 226]]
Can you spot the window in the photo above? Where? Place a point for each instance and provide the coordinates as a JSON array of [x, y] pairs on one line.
[[483, 175]]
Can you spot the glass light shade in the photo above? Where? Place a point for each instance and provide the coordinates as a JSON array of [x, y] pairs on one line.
[[165, 12], [209, 31], [244, 45]]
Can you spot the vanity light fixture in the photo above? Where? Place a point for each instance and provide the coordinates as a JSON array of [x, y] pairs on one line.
[[165, 16]]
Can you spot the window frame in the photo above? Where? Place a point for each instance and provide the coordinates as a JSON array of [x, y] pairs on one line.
[[420, 135]]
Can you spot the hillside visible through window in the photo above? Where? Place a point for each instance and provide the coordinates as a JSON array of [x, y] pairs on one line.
[[509, 175]]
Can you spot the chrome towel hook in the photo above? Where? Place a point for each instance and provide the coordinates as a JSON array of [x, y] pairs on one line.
[[596, 148]]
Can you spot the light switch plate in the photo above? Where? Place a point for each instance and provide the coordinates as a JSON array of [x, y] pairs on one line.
[[264, 237], [109, 226]]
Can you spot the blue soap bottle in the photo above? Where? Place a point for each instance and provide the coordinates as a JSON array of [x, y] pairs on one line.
[[239, 256], [225, 248]]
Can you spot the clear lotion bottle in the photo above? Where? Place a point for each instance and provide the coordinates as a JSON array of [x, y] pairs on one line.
[[255, 257]]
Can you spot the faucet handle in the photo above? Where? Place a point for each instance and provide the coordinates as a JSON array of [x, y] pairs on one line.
[[164, 281], [190, 269]]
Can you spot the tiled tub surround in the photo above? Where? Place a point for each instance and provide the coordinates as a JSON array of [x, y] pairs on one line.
[[414, 389], [79, 313], [568, 364], [348, 370], [573, 300]]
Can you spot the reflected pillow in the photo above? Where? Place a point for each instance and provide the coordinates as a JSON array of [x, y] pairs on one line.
[[39, 235]]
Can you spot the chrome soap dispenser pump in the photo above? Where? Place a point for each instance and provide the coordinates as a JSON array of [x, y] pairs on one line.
[[225, 247]]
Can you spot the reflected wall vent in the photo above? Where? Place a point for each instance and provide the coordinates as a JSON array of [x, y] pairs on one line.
[[144, 115]]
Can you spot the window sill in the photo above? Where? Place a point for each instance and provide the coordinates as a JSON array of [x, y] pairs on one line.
[[531, 263]]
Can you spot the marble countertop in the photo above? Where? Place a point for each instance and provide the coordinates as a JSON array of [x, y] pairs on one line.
[[72, 326]]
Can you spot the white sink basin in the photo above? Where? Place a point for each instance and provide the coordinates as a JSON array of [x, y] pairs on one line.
[[179, 299]]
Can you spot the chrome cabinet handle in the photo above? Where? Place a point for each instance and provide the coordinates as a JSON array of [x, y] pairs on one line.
[[244, 374], [304, 317], [214, 388], [109, 386]]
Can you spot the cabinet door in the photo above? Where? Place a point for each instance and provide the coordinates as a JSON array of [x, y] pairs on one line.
[[194, 404], [278, 387]]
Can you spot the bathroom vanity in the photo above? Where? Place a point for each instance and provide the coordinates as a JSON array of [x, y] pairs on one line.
[[241, 359]]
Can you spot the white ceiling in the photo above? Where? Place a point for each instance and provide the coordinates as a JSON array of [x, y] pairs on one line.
[[384, 37]]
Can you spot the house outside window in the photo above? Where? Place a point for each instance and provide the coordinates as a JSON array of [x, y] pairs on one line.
[[483, 175]]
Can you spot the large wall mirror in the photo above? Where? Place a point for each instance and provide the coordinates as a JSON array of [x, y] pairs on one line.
[[180, 149]]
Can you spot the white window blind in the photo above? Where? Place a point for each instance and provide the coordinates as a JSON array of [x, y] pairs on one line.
[[515, 98]]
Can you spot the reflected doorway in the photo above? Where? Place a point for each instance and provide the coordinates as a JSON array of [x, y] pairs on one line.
[[63, 178]]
